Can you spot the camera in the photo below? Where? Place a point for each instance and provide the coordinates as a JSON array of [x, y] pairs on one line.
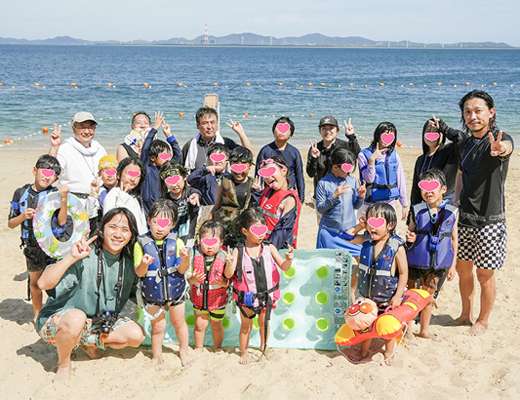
[[104, 322]]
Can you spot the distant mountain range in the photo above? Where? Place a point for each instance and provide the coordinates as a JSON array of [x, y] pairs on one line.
[[251, 39]]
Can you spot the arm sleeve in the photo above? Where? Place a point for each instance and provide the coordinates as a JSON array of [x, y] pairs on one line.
[[353, 145], [195, 177], [176, 149], [259, 159], [298, 172], [324, 199], [255, 197], [68, 281], [356, 201], [15, 203], [401, 182], [185, 149], [282, 234], [138, 254], [367, 172], [145, 151], [312, 164]]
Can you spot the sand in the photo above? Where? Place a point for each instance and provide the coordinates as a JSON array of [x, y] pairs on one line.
[[456, 367]]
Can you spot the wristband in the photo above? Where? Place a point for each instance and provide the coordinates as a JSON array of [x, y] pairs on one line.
[[347, 236], [94, 194]]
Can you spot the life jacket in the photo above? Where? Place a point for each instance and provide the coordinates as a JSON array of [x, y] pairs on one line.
[[24, 203], [205, 295], [375, 280], [270, 205], [429, 250], [162, 282], [102, 194], [384, 186], [256, 280], [229, 209]]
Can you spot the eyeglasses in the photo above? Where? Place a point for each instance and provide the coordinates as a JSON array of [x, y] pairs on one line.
[[168, 173], [46, 165], [86, 128]]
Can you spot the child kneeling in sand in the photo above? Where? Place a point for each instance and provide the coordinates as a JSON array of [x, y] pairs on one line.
[[250, 257], [209, 288], [383, 269], [161, 260], [431, 240]]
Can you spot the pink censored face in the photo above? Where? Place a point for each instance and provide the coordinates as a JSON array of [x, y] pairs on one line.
[[267, 172], [283, 128], [210, 241], [133, 173], [110, 172], [164, 156], [163, 222], [376, 222], [429, 186], [48, 173], [238, 168], [173, 180], [258, 230], [388, 138], [432, 136], [217, 157], [346, 167]]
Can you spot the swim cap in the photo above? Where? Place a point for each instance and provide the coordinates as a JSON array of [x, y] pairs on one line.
[[108, 162]]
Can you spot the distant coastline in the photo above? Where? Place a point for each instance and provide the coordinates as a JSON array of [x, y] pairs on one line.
[[314, 40]]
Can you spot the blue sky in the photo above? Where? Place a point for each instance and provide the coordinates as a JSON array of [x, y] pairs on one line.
[[419, 21]]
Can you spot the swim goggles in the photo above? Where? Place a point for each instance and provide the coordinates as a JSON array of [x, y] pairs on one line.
[[168, 173], [271, 161], [109, 164], [46, 165]]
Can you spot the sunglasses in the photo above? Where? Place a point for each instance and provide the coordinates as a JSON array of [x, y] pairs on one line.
[[46, 165], [108, 164]]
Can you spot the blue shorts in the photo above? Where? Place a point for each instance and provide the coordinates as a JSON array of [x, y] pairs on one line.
[[332, 240]]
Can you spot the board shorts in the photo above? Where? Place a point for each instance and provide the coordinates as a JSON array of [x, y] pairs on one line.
[[214, 315], [485, 246], [36, 259], [89, 337]]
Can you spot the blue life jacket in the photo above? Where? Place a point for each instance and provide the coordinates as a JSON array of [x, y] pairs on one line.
[[429, 250], [26, 202], [384, 186], [162, 283], [375, 280], [102, 194]]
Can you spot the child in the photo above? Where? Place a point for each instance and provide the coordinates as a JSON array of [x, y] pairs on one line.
[[130, 176], [252, 256], [283, 129], [187, 199], [318, 157], [209, 291], [381, 168], [234, 194], [163, 284], [105, 181], [25, 200], [432, 240], [207, 178], [280, 204], [154, 154], [383, 269]]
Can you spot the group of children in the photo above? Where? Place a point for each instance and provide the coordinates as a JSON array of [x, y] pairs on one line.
[[236, 249]]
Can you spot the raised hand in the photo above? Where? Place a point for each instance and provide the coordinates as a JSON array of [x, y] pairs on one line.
[[147, 259], [125, 187], [184, 253], [315, 153], [236, 126], [95, 186], [257, 185], [64, 191], [411, 237], [166, 129], [56, 136], [81, 248], [362, 189], [229, 257], [497, 147], [289, 255], [435, 122], [349, 128], [159, 119], [341, 189], [376, 154]]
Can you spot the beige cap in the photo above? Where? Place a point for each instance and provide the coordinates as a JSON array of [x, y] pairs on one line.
[[83, 116]]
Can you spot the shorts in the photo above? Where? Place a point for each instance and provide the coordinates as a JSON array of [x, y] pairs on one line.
[[175, 302], [485, 245], [36, 259], [214, 315], [89, 337]]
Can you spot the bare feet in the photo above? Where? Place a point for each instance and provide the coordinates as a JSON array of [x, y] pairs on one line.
[[91, 351], [268, 354], [245, 358], [63, 375], [477, 329], [461, 321], [389, 360], [359, 357], [185, 358], [156, 360], [427, 335]]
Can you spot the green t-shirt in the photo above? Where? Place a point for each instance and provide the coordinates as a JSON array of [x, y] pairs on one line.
[[78, 287]]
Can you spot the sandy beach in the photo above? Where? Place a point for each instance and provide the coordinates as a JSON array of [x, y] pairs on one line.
[[456, 366]]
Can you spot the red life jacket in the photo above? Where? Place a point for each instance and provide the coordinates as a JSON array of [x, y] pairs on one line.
[[205, 295], [270, 206]]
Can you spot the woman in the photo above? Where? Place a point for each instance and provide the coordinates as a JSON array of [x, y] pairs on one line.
[[87, 291]]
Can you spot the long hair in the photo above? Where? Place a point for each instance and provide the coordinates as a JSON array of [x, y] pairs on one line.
[[135, 192], [129, 248], [425, 147], [477, 94], [382, 128]]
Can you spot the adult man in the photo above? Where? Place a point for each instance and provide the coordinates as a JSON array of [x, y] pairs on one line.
[[318, 158], [87, 291], [78, 156], [194, 152], [479, 189]]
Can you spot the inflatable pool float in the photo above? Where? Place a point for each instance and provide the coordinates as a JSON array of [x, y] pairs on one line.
[[389, 324], [42, 224]]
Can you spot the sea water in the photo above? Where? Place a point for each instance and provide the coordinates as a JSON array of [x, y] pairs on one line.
[[346, 83]]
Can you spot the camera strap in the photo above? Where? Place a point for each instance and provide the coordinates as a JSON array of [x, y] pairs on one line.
[[101, 277]]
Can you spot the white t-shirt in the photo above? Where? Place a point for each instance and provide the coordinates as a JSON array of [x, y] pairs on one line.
[[117, 198]]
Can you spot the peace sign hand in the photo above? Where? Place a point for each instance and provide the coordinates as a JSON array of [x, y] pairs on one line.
[[498, 148], [81, 249], [315, 153], [435, 122], [341, 189], [362, 189], [349, 128], [257, 185], [229, 257], [376, 154], [236, 126], [184, 253], [56, 136], [289, 256]]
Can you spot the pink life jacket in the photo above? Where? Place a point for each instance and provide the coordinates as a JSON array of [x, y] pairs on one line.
[[205, 295], [257, 277]]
